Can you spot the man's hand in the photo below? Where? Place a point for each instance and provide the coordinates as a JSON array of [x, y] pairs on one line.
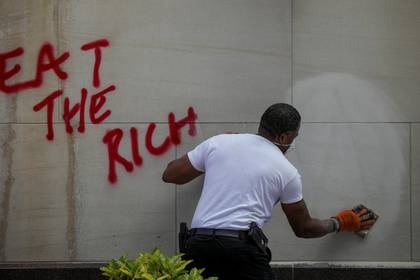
[[356, 219]]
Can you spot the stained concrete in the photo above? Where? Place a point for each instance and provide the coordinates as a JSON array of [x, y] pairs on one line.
[[37, 207], [350, 67]]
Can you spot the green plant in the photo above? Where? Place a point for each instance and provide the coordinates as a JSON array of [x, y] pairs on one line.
[[152, 266]]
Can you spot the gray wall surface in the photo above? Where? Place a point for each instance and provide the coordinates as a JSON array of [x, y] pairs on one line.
[[352, 68]]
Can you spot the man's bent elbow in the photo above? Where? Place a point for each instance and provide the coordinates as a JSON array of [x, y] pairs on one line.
[[300, 232], [170, 176], [166, 176], [169, 179], [172, 179], [180, 171]]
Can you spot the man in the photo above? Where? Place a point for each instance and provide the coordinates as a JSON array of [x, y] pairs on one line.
[[246, 175]]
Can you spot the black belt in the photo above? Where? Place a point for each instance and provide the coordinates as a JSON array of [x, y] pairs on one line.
[[240, 234]]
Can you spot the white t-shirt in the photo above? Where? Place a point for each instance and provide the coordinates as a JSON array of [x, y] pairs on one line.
[[245, 176]]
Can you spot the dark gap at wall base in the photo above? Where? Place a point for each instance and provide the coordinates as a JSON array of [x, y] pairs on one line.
[[283, 273], [51, 274], [346, 274]]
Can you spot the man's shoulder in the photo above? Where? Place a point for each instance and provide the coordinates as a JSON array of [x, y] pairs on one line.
[[232, 136], [230, 141]]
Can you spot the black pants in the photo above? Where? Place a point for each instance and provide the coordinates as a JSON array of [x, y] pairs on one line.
[[228, 258]]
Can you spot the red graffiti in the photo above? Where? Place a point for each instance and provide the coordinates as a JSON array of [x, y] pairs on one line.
[[138, 160], [175, 126], [91, 105], [70, 113], [96, 45], [97, 101], [49, 102], [46, 52], [162, 148], [174, 132], [113, 140]]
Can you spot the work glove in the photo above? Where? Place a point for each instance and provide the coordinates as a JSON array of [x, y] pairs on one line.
[[356, 219]]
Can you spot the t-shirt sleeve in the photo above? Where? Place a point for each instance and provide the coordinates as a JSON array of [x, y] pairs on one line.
[[199, 155], [292, 192]]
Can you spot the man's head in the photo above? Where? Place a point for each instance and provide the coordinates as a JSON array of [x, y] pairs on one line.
[[280, 124]]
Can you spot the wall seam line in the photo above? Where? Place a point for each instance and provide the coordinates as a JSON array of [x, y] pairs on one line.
[[410, 171], [57, 36], [291, 52], [351, 122], [176, 207], [202, 122]]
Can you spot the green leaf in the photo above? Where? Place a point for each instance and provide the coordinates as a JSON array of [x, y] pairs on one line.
[[147, 276], [166, 276], [183, 265], [152, 266]]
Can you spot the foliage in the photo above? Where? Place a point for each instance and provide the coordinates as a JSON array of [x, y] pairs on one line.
[[152, 266]]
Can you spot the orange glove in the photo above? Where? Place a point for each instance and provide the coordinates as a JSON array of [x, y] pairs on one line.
[[356, 219]]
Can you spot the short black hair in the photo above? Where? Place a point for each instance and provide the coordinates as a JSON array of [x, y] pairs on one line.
[[279, 118]]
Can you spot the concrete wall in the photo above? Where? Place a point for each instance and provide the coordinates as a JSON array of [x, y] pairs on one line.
[[351, 67]]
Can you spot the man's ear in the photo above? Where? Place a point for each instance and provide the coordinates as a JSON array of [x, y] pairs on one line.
[[281, 138]]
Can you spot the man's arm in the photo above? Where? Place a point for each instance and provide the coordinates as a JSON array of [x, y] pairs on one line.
[[303, 224], [349, 220], [180, 171]]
